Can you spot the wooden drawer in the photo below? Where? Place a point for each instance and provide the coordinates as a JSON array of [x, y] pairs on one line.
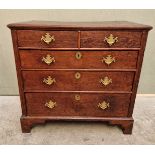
[[78, 60], [77, 104], [88, 80], [97, 39], [62, 39]]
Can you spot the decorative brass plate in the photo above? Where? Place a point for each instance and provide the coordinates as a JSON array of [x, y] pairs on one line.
[[106, 81], [50, 104], [108, 60], [48, 38], [48, 59], [104, 105], [111, 39], [49, 80]]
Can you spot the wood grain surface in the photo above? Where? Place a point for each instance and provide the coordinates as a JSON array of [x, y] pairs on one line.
[[66, 81], [63, 39], [32, 59], [95, 39], [67, 105]]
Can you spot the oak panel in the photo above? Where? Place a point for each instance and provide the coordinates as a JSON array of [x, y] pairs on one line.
[[89, 81], [32, 59], [66, 105], [63, 39], [95, 39]]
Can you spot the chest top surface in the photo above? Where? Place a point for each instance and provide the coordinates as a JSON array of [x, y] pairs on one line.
[[78, 25]]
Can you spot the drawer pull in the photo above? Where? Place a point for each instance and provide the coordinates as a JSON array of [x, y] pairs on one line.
[[104, 105], [78, 55], [77, 75], [106, 81], [108, 60], [49, 80], [48, 59], [50, 104], [111, 40], [77, 97], [47, 38]]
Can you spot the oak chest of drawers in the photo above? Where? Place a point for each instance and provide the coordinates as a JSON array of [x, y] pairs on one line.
[[78, 71]]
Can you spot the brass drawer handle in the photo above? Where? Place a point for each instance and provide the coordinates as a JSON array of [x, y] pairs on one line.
[[106, 81], [50, 104], [108, 60], [78, 55], [104, 105], [111, 39], [77, 75], [77, 97], [48, 38], [48, 59], [49, 80]]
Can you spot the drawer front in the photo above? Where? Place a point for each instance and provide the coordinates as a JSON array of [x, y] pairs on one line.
[[74, 80], [47, 39], [78, 60], [77, 104], [104, 39]]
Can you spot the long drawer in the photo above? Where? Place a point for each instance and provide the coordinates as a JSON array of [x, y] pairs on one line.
[[77, 80], [77, 104], [47, 39], [78, 59]]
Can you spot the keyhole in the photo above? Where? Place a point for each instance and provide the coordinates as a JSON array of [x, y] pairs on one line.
[[78, 55]]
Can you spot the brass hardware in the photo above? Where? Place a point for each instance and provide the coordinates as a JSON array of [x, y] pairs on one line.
[[77, 97], [106, 81], [78, 55], [49, 80], [77, 75], [104, 105], [108, 60], [111, 39], [47, 38], [50, 104], [48, 59]]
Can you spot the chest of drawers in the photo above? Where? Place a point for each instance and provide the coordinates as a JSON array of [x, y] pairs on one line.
[[78, 71]]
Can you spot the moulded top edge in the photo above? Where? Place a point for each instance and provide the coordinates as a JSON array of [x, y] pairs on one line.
[[78, 25]]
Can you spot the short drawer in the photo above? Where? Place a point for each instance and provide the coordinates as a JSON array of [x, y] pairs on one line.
[[78, 59], [77, 80], [77, 104], [47, 39], [110, 39]]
